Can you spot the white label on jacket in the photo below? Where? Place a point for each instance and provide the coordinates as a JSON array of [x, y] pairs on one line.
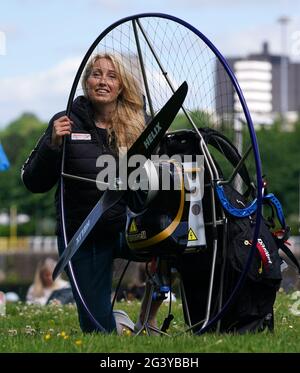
[[80, 136]]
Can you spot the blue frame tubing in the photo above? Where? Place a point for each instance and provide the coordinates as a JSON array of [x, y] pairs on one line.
[[234, 81]]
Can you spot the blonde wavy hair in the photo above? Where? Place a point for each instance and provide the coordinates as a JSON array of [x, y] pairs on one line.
[[38, 287], [128, 120]]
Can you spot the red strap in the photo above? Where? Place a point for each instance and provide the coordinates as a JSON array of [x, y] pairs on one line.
[[280, 234], [264, 254]]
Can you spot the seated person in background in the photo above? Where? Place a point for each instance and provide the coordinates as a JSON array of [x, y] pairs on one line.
[[43, 285]]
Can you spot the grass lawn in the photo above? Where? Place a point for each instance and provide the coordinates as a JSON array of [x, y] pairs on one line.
[[55, 329]]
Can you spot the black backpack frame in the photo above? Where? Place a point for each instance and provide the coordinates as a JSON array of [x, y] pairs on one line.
[[209, 276]]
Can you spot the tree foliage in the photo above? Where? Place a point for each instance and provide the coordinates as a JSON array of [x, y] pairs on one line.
[[18, 140], [280, 156], [279, 150]]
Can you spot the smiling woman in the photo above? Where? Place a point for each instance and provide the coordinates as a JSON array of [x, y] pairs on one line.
[[103, 85], [116, 98], [109, 115]]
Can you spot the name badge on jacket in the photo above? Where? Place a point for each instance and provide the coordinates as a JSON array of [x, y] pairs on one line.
[[80, 136]]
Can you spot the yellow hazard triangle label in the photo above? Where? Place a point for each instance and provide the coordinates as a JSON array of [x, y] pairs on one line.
[[133, 227], [192, 236]]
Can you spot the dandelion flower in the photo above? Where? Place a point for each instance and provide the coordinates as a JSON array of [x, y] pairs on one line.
[[126, 332]]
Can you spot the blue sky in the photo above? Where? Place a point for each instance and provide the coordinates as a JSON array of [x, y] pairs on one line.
[[42, 42]]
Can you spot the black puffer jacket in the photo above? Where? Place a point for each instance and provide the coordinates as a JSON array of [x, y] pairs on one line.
[[41, 170]]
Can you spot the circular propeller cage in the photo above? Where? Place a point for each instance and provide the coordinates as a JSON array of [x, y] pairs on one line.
[[161, 52]]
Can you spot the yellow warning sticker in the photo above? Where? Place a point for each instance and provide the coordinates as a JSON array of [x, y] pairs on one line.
[[133, 227], [192, 236]]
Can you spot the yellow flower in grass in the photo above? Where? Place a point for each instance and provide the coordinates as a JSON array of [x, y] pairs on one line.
[[78, 342], [47, 337], [126, 332]]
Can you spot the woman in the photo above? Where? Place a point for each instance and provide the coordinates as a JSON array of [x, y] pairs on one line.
[[43, 285], [109, 116]]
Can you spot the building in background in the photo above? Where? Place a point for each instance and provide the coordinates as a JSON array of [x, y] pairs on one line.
[[259, 76]]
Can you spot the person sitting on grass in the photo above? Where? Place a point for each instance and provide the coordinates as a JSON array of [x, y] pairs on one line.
[[43, 286]]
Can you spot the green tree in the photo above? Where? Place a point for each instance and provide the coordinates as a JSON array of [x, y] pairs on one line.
[[18, 140], [280, 155]]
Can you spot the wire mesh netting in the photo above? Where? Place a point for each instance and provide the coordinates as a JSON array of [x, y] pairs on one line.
[[160, 54]]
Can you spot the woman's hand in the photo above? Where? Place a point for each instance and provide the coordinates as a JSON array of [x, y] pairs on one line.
[[61, 127]]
